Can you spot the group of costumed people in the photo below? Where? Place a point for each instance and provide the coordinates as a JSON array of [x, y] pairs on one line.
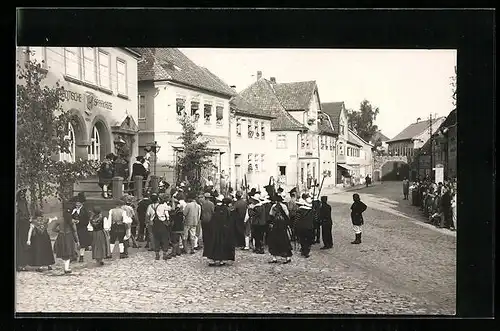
[[174, 223]]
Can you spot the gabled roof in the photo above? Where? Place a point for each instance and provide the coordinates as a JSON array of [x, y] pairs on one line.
[[172, 65], [333, 109], [296, 95], [261, 95], [379, 135], [325, 125], [414, 130], [242, 106], [353, 139]]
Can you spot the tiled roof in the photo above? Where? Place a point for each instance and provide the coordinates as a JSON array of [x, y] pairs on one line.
[[378, 135], [295, 96], [451, 119], [353, 139], [324, 126], [171, 64], [242, 106], [261, 95], [333, 109], [413, 130]]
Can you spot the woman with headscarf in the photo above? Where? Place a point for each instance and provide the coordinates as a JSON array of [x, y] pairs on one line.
[[81, 218], [100, 244], [39, 241], [220, 247], [22, 228], [279, 231], [67, 241]]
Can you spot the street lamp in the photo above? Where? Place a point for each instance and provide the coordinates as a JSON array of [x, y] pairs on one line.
[[155, 148]]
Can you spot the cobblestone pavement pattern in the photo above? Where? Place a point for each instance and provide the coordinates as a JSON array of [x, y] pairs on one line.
[[402, 267]]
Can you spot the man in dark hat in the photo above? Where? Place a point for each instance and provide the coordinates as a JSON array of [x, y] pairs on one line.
[[325, 215]]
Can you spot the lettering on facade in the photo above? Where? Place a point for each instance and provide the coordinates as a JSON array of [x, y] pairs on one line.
[[89, 99]]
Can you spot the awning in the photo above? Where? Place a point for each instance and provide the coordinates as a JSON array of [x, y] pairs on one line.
[[346, 167]]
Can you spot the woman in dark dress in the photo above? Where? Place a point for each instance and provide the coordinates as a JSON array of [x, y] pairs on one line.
[[39, 242], [279, 231], [220, 246], [67, 241], [100, 244], [81, 218], [22, 228]]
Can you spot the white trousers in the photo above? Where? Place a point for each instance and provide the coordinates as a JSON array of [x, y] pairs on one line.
[[357, 229]]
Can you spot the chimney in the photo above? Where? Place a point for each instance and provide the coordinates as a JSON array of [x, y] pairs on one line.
[[273, 80], [233, 87], [259, 75]]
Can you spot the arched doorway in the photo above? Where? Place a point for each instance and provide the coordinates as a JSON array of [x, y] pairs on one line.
[[71, 137], [394, 170], [94, 149], [100, 141]]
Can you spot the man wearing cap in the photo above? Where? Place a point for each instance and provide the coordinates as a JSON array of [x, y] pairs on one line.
[[305, 226], [240, 210]]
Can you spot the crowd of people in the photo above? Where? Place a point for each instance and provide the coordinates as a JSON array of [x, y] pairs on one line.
[[183, 222], [438, 202]]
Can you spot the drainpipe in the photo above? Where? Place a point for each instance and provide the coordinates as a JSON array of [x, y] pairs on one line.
[[298, 162]]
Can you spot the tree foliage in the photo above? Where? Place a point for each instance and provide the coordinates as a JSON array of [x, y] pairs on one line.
[[361, 121], [41, 134], [196, 155]]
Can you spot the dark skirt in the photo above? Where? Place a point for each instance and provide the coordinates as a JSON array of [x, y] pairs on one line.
[[278, 241], [22, 250], [65, 246], [41, 250], [239, 227], [220, 244], [84, 236], [100, 245]]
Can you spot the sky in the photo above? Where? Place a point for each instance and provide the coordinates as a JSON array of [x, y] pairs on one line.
[[403, 84]]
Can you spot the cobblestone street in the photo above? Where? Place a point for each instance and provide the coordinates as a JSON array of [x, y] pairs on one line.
[[401, 267]]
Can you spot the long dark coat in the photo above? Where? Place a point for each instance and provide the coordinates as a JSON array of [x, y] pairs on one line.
[[22, 227], [81, 227], [238, 216], [279, 234], [357, 209], [220, 244]]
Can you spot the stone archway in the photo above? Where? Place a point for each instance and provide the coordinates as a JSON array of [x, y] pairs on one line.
[[391, 168]]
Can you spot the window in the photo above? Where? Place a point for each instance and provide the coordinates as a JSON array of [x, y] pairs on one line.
[[302, 173], [94, 149], [249, 162], [281, 140], [313, 138], [69, 157], [89, 71], [180, 106], [250, 132], [121, 70], [256, 160], [341, 129], [104, 72], [262, 130], [219, 114], [72, 61], [238, 127], [256, 126], [331, 144], [207, 113], [308, 145], [282, 170], [262, 157], [142, 107], [195, 105], [341, 149], [302, 141], [348, 151]]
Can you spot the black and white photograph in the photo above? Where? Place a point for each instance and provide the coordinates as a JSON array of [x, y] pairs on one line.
[[263, 180]]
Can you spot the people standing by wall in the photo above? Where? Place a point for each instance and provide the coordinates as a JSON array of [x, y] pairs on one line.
[[357, 209], [22, 228], [325, 216], [39, 242]]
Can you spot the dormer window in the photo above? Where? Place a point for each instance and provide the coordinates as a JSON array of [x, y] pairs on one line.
[[170, 66]]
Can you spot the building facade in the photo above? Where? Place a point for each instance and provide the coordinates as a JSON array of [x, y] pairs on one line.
[[170, 86], [252, 146], [100, 86]]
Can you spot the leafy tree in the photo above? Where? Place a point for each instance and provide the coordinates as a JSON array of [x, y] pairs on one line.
[[41, 132], [454, 87], [361, 121], [196, 155]]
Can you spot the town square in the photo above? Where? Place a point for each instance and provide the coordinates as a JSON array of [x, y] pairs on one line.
[[186, 180]]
